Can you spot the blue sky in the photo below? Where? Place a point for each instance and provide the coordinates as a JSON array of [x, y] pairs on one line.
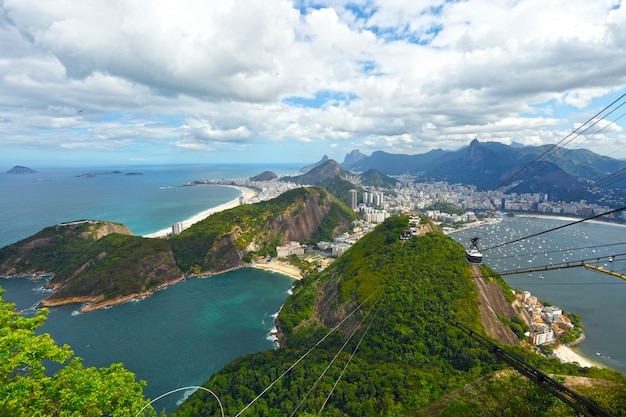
[[138, 81]]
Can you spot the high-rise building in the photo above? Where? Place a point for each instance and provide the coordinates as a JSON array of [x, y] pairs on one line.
[[177, 228], [352, 199]]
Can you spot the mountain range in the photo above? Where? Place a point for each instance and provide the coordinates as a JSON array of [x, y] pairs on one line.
[[563, 174]]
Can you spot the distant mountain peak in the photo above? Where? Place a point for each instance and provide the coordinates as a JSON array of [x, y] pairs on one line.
[[353, 157], [318, 173], [318, 163], [475, 152]]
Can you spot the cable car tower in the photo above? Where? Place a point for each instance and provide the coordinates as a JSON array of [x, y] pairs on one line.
[[472, 254]]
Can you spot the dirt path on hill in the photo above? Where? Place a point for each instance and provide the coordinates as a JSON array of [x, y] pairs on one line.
[[493, 303]]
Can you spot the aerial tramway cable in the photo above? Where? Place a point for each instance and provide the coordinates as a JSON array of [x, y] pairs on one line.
[[293, 365], [335, 357], [579, 403], [556, 251], [348, 362]]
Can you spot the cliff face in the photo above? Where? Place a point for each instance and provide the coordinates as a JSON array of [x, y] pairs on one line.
[[300, 219]]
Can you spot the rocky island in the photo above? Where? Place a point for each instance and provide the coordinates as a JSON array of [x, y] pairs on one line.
[[18, 169]]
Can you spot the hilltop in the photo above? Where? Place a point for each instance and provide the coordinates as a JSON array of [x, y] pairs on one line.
[[102, 263], [376, 322]]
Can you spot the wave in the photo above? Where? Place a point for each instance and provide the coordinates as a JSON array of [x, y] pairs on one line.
[[186, 394], [272, 336], [30, 311]]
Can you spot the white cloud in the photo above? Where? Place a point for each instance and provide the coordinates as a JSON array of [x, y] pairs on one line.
[[204, 75]]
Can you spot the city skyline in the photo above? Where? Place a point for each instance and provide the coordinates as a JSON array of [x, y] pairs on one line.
[[138, 82]]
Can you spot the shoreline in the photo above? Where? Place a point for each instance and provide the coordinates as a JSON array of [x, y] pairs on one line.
[[279, 267], [247, 193], [567, 354]]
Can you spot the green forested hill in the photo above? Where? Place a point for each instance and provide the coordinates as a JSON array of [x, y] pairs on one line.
[[387, 301], [101, 262]]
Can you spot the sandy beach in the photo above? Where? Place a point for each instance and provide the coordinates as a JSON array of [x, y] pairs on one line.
[[248, 194], [569, 355], [281, 267]]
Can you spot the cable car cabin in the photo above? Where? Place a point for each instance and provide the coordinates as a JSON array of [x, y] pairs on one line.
[[407, 234], [472, 254]]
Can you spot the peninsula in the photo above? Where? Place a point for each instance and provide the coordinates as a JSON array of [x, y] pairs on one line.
[[101, 263]]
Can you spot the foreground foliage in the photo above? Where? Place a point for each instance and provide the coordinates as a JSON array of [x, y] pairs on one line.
[[26, 389]]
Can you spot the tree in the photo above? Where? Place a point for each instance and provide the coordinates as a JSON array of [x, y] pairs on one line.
[[27, 390]]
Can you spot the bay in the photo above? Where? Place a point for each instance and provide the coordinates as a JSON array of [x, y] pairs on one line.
[[176, 338], [600, 299], [182, 334]]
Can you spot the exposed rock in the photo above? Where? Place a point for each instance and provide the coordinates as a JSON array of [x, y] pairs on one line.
[[315, 165]]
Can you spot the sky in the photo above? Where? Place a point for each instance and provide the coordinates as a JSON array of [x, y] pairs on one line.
[[102, 82]]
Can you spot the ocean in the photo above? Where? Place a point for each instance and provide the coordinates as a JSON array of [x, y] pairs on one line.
[[146, 203], [181, 335]]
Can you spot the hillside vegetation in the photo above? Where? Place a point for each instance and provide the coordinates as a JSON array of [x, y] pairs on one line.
[[102, 263], [387, 301]]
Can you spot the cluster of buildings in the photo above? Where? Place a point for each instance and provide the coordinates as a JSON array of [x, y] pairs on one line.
[[412, 195], [449, 219], [376, 203], [547, 323]]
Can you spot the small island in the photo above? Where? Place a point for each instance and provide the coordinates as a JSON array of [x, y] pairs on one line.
[[18, 169]]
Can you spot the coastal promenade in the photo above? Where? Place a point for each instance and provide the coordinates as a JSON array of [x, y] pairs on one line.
[[247, 193]]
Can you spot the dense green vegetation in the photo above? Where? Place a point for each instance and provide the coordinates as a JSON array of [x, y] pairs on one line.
[[117, 265], [375, 178], [394, 295], [221, 241], [84, 266], [26, 389]]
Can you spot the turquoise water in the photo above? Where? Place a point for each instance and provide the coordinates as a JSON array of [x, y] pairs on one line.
[[145, 203], [177, 337], [180, 335]]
